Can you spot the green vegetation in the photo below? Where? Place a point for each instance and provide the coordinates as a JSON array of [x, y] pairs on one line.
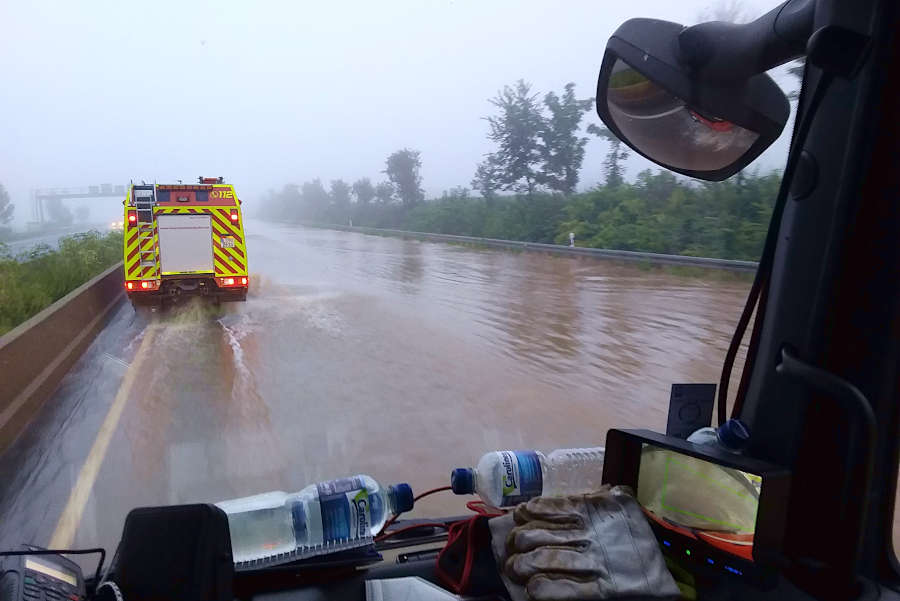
[[538, 157], [664, 214], [658, 212], [32, 281], [626, 77]]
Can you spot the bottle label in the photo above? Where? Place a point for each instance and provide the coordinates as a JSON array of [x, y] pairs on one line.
[[521, 476], [344, 507]]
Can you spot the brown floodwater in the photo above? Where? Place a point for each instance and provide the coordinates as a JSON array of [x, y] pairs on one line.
[[360, 354]]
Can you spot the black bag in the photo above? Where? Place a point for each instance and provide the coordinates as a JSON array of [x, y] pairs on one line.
[[176, 552], [466, 563]]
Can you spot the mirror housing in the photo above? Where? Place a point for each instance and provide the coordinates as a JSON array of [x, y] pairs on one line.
[[653, 97]]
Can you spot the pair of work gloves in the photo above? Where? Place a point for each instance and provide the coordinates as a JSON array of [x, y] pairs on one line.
[[580, 547]]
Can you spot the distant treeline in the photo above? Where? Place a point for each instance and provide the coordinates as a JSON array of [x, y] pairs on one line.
[[526, 190], [656, 213]]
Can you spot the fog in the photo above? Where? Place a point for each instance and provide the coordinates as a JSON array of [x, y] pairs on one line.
[[267, 93]]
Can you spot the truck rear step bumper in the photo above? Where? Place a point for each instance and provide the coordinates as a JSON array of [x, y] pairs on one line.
[[174, 290]]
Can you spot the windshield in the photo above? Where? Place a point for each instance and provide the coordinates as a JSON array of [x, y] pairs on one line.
[[232, 185]]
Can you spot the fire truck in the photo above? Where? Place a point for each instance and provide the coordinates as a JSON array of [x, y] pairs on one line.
[[184, 240]]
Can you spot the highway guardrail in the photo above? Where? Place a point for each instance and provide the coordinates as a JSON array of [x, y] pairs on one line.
[[600, 253], [37, 354]]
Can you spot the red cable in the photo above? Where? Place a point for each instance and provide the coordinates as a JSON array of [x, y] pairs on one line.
[[431, 492], [484, 509], [394, 517], [478, 506], [735, 344], [381, 537], [752, 347]]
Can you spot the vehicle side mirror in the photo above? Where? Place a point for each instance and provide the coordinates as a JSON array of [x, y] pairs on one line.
[[656, 96]]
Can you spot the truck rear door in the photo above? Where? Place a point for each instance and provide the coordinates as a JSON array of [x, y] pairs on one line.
[[185, 243]]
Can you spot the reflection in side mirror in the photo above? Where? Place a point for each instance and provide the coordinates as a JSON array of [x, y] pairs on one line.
[[665, 110], [668, 130]]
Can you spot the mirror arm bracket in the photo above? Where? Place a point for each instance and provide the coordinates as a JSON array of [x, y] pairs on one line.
[[837, 50], [726, 52]]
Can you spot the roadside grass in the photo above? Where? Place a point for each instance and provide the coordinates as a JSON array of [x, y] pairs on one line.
[[31, 281]]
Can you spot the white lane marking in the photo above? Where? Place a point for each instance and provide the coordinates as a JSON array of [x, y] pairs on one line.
[[64, 534]]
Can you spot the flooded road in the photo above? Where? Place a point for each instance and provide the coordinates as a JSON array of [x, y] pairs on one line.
[[397, 358], [51, 240]]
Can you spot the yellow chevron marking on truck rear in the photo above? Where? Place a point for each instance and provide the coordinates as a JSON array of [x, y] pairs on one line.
[[229, 246]]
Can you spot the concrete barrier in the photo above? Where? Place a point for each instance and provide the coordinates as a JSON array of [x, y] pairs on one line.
[[36, 355], [600, 253]]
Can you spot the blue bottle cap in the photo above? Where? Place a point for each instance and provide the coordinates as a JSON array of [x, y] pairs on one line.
[[403, 497], [462, 481], [734, 434]]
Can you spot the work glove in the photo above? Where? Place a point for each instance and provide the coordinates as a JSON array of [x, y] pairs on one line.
[[580, 547]]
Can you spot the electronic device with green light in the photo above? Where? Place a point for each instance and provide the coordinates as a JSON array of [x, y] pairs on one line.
[[715, 510]]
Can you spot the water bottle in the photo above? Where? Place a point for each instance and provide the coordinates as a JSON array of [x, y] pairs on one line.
[[506, 478], [322, 518], [732, 436]]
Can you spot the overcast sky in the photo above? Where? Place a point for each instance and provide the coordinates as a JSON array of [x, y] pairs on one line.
[[267, 93]]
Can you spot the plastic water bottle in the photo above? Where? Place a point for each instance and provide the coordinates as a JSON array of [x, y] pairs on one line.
[[322, 518], [732, 436], [505, 478]]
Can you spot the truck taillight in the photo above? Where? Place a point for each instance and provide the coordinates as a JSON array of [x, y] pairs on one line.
[[132, 216], [234, 216], [145, 285], [129, 285], [232, 281]]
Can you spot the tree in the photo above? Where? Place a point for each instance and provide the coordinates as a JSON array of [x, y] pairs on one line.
[[6, 207], [456, 193], [657, 212], [611, 165], [286, 204], [57, 212], [340, 201], [363, 190], [82, 213], [403, 172], [487, 179], [562, 150], [384, 192], [291, 202], [340, 193], [516, 131], [315, 199]]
